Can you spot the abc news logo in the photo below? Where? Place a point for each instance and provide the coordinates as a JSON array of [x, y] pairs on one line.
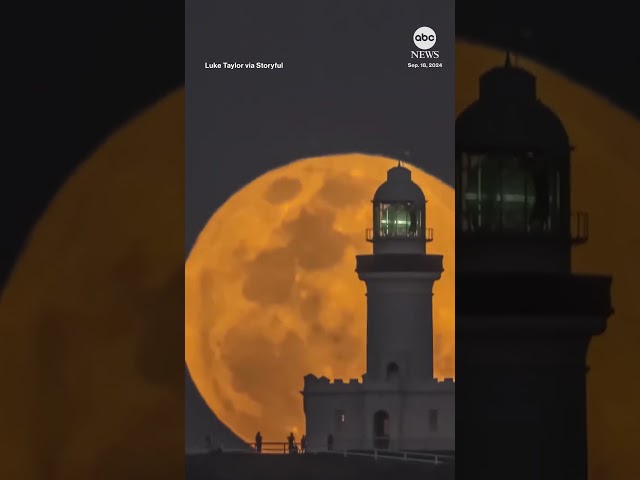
[[425, 39]]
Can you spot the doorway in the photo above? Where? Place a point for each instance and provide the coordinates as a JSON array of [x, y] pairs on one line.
[[381, 438]]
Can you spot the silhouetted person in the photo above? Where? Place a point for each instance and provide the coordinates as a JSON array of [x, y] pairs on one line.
[[258, 442], [303, 444], [330, 442], [292, 443]]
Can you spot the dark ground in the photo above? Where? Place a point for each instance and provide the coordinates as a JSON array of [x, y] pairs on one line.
[[239, 466]]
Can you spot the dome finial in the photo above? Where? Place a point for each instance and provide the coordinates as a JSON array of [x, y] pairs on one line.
[[510, 59], [406, 154]]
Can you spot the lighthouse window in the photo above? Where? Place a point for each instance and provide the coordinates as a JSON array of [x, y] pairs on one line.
[[392, 370], [471, 180], [539, 216], [517, 193], [507, 192], [433, 420], [340, 419], [402, 219]]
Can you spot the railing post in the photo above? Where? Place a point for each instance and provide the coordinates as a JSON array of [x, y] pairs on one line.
[[375, 455], [345, 453], [405, 456], [436, 459]]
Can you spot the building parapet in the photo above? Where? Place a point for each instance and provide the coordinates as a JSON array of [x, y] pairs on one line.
[[323, 384], [313, 384]]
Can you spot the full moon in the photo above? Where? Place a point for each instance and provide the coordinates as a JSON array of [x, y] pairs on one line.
[[272, 295]]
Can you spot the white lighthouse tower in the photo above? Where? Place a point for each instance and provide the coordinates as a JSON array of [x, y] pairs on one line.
[[399, 405], [399, 278]]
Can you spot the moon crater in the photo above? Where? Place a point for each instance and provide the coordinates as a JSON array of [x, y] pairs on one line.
[[283, 190]]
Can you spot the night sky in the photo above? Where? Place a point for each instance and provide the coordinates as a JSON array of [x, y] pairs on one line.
[[126, 56]]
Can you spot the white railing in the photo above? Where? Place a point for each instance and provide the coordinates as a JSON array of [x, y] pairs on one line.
[[432, 458], [436, 450], [434, 443]]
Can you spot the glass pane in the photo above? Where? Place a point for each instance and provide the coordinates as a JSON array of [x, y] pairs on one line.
[[517, 190], [508, 192], [489, 183], [400, 219], [470, 186], [413, 227], [392, 220], [384, 219], [554, 199], [539, 218]]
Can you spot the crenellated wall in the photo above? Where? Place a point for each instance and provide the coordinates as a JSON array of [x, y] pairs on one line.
[[324, 404], [313, 384], [346, 409]]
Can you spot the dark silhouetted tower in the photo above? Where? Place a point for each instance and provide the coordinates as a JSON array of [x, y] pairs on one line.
[[523, 320]]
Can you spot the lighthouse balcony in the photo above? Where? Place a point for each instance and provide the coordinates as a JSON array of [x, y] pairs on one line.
[[370, 235], [473, 223], [579, 228]]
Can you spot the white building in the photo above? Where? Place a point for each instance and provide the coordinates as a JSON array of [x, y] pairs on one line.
[[398, 405]]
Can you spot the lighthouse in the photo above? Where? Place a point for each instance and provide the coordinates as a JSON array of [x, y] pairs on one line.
[[524, 320], [399, 276], [398, 404]]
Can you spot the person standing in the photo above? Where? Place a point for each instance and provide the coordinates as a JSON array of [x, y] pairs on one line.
[[292, 443], [258, 442]]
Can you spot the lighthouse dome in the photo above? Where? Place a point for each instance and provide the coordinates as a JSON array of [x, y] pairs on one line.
[[399, 188]]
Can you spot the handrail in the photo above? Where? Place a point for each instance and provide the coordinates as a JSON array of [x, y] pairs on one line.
[[400, 455], [404, 455], [211, 451], [371, 236], [417, 454], [579, 228], [276, 447], [385, 454], [437, 460]]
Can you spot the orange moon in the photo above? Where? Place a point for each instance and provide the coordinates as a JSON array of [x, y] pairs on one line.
[[272, 295]]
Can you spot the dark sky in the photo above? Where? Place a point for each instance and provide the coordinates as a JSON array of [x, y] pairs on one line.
[[85, 73], [345, 87], [101, 66]]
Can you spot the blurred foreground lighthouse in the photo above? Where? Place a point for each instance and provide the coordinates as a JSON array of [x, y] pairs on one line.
[[399, 405], [523, 320]]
